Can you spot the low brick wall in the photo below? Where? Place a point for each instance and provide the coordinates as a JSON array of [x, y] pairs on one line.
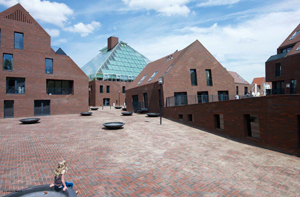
[[278, 117]]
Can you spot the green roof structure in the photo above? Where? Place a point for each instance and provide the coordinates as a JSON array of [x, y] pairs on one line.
[[119, 63]]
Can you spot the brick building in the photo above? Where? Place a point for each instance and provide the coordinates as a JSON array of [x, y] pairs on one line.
[[259, 86], [283, 69], [111, 71], [36, 80], [242, 87], [191, 75]]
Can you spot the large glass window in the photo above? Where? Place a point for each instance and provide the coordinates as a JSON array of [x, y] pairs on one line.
[[7, 62], [193, 77], [278, 70], [18, 40], [293, 86], [107, 89], [223, 95], [15, 85], [49, 66], [203, 97], [59, 87], [180, 98], [208, 77]]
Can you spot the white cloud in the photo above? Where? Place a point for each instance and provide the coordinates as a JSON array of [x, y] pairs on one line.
[[165, 7], [83, 29], [53, 32], [59, 42], [45, 11], [217, 3]]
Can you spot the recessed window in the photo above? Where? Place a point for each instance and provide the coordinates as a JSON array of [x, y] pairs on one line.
[[180, 116], [246, 90], [252, 125], [123, 89], [203, 97], [208, 77], [278, 70], [153, 76], [293, 86], [193, 75], [101, 89], [286, 50], [294, 35], [237, 90], [180, 98], [48, 66], [60, 87], [142, 80], [145, 100], [7, 62], [107, 89], [223, 95], [190, 117], [15, 85], [219, 121], [18, 40]]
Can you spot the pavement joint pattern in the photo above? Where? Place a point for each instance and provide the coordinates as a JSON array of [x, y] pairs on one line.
[[143, 159]]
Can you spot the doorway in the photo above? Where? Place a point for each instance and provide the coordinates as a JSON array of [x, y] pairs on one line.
[[8, 109], [42, 107]]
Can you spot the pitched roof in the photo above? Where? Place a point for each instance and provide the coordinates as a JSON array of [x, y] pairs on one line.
[[294, 37], [237, 78], [258, 80], [120, 62], [158, 68]]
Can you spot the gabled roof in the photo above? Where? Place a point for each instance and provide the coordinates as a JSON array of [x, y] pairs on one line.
[[294, 37], [120, 62], [258, 80], [237, 78], [162, 66]]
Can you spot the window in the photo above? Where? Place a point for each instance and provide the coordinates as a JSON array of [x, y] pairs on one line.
[[219, 121], [293, 86], [246, 90], [190, 117], [294, 35], [49, 66], [180, 98], [101, 89], [59, 87], [286, 50], [153, 76], [237, 90], [223, 95], [123, 89], [202, 97], [208, 77], [252, 125], [18, 40], [7, 62], [298, 49], [193, 77], [15, 85], [180, 116], [107, 89], [278, 70], [142, 80], [145, 100]]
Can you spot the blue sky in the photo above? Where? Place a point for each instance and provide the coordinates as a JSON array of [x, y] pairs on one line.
[[240, 34]]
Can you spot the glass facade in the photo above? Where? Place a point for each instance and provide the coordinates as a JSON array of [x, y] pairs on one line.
[[49, 66], [7, 62], [18, 40], [122, 63]]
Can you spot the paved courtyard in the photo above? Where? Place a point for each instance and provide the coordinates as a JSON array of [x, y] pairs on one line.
[[143, 159]]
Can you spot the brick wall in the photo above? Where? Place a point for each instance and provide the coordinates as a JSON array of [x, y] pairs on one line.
[[277, 120]]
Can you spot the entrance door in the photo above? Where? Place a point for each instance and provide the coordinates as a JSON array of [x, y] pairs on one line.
[[145, 100], [135, 103], [202, 97], [42, 107], [106, 102], [8, 109]]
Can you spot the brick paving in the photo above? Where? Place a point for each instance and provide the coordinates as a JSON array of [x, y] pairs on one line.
[[143, 159]]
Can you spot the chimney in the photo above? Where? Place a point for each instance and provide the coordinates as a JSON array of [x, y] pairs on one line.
[[112, 42]]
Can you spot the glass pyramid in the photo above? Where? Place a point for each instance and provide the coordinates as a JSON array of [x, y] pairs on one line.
[[120, 63]]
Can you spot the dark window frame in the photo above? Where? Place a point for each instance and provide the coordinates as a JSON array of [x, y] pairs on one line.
[[278, 69], [107, 89], [208, 75], [101, 89], [46, 69], [237, 90], [15, 40], [123, 89], [59, 90], [220, 95], [15, 83], [194, 81], [12, 59]]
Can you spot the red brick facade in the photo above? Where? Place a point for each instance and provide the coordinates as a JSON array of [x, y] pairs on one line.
[[29, 63], [279, 119], [178, 78]]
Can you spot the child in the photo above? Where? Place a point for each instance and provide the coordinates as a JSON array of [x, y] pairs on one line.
[[59, 177]]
